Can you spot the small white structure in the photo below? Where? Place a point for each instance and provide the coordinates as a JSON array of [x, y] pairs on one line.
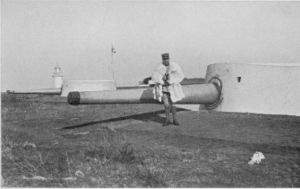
[[87, 85], [57, 78], [268, 88]]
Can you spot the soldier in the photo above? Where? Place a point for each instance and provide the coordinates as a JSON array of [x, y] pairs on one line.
[[167, 77]]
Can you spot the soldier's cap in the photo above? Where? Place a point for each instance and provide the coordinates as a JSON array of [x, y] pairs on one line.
[[165, 56]]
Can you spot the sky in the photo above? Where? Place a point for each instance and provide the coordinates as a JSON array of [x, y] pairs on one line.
[[77, 36]]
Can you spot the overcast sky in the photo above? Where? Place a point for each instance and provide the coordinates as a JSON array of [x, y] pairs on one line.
[[77, 36]]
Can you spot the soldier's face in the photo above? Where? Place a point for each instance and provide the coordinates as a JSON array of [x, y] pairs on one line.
[[166, 62]]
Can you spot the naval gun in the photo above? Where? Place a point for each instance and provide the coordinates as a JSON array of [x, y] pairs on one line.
[[208, 94]]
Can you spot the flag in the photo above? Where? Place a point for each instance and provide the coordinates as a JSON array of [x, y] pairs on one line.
[[113, 49]]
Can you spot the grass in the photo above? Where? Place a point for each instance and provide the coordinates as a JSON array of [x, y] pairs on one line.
[[114, 164], [208, 150]]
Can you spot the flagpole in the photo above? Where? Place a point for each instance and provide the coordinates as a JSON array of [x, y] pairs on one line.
[[112, 61]]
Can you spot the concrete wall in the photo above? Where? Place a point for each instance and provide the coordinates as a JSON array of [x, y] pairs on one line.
[[87, 85], [258, 88]]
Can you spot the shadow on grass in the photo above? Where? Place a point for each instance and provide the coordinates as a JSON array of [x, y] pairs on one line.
[[153, 116], [205, 143]]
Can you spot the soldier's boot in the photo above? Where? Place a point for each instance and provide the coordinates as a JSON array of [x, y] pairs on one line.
[[175, 120], [167, 122]]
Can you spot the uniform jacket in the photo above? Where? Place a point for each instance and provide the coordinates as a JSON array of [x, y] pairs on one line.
[[175, 77]]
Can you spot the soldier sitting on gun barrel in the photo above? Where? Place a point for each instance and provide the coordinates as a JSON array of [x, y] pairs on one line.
[[167, 77]]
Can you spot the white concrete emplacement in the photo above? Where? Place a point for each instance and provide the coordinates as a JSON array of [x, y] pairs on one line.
[[264, 88], [87, 85]]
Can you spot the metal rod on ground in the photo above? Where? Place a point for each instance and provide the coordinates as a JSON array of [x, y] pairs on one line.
[[50, 91]]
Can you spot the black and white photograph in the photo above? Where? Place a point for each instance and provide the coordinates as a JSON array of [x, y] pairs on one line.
[[150, 94]]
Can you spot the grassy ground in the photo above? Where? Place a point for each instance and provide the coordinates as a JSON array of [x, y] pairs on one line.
[[48, 143]]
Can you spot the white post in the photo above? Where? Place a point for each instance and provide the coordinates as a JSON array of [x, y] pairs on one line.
[[57, 78]]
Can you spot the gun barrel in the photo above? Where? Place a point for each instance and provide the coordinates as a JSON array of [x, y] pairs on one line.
[[194, 94]]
